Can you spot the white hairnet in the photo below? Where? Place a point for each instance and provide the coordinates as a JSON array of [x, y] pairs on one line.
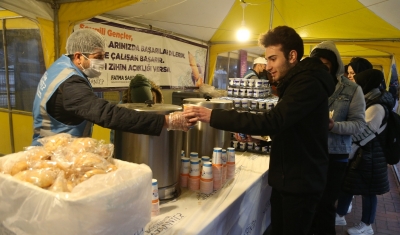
[[85, 41]]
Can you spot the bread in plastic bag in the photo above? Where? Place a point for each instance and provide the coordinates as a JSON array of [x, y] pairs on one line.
[[118, 202]]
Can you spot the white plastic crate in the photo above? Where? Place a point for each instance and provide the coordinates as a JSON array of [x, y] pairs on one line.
[[115, 203]]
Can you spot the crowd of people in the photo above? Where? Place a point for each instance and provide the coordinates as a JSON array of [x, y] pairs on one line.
[[324, 108]]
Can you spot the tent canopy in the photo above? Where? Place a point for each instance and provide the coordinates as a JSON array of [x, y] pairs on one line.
[[352, 24], [356, 30]]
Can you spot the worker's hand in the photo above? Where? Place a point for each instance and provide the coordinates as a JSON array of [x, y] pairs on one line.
[[240, 139], [177, 121], [197, 113], [247, 138]]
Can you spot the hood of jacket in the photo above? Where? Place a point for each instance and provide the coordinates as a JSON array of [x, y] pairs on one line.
[[330, 45], [309, 67], [382, 97]]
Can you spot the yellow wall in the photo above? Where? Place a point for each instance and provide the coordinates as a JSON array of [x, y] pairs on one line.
[[101, 133], [5, 142], [23, 131]]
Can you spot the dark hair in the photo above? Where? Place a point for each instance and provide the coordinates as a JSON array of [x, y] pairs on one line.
[[285, 36], [359, 64], [369, 79], [328, 55]]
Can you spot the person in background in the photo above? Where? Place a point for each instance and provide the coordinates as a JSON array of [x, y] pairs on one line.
[[345, 73], [297, 125], [140, 90], [65, 102], [347, 107], [357, 65], [258, 71], [367, 172]]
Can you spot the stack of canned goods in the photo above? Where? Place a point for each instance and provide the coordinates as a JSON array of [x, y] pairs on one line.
[[248, 88], [253, 105], [262, 147]]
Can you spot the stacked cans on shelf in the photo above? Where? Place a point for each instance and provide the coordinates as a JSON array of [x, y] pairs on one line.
[[253, 105], [207, 174], [248, 88], [263, 147]]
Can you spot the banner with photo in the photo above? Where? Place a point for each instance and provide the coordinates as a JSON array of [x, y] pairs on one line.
[[167, 60]]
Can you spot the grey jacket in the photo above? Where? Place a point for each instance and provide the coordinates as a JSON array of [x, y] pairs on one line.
[[348, 106]]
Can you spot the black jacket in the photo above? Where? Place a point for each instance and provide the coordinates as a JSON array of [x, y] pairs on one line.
[[74, 101], [367, 172], [298, 126]]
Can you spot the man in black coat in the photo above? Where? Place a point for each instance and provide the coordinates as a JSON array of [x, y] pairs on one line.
[[298, 126]]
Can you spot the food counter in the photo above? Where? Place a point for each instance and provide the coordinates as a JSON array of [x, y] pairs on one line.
[[240, 207]]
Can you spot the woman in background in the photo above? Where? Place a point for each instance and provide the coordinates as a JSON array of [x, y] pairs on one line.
[[357, 65], [367, 172]]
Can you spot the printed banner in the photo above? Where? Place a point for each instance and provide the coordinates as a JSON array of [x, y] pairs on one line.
[[167, 60]]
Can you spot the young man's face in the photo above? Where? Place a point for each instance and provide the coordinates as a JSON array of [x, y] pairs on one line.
[[277, 64]]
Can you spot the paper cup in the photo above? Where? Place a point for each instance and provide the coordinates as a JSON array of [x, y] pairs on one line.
[[186, 106]]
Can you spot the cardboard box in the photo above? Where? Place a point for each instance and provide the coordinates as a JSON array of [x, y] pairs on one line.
[[115, 203]]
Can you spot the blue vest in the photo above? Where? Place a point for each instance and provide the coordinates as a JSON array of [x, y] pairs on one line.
[[44, 124], [250, 73], [340, 101]]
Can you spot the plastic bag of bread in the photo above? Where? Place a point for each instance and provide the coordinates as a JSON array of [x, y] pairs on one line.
[[19, 166], [89, 164], [90, 160], [36, 153], [105, 151], [91, 173], [65, 159], [81, 145], [60, 183], [72, 181], [16, 164], [44, 164], [40, 177], [52, 143]]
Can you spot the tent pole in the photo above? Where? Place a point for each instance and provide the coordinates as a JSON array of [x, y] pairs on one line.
[[271, 15], [10, 118], [316, 41], [56, 7]]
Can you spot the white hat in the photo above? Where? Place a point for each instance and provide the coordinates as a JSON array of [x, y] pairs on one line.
[[260, 60]]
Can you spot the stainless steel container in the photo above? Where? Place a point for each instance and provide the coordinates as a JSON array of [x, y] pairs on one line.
[[203, 138], [160, 153]]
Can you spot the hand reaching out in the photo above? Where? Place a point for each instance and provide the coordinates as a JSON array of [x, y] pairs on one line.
[[197, 113]]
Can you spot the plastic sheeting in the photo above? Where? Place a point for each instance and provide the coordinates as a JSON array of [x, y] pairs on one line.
[[115, 203]]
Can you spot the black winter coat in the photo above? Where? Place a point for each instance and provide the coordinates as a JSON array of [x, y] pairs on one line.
[[298, 126], [367, 172], [74, 102]]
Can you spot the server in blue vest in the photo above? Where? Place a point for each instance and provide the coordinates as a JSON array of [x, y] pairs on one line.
[[65, 102], [258, 71]]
